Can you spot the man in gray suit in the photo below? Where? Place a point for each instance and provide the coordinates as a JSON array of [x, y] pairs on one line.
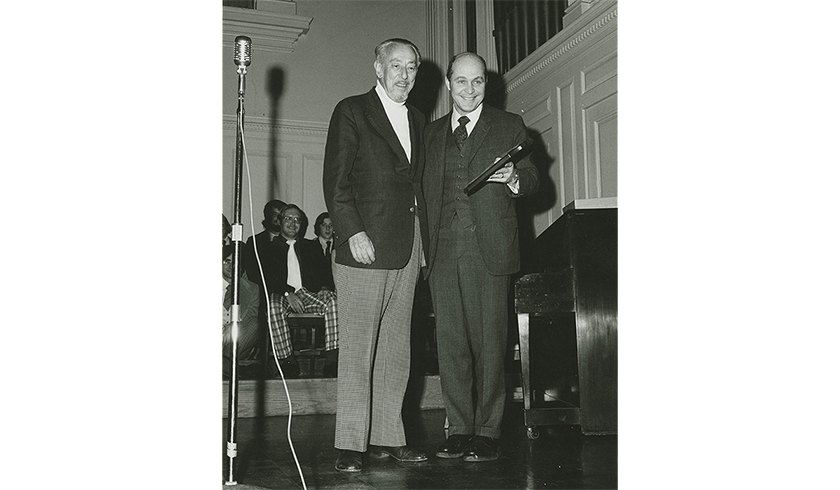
[[373, 162], [473, 250]]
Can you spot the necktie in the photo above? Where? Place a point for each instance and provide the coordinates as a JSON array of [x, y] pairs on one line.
[[293, 266], [328, 250], [461, 131]]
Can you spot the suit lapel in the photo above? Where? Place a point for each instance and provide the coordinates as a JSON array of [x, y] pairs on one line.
[[416, 144], [439, 144], [375, 113], [479, 133], [438, 137]]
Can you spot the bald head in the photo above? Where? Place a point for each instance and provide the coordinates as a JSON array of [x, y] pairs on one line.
[[466, 80]]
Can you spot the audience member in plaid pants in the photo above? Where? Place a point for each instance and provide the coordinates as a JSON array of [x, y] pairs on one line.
[[323, 302], [299, 281]]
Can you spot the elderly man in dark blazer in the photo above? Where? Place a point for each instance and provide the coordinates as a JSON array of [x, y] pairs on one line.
[[473, 250], [373, 164]]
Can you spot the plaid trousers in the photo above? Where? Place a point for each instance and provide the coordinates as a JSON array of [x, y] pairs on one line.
[[322, 303]]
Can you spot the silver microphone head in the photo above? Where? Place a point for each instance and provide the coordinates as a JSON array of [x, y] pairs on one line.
[[242, 51]]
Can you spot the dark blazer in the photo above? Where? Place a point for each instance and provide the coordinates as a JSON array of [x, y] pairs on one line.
[[249, 259], [369, 184], [494, 205], [327, 261], [314, 272]]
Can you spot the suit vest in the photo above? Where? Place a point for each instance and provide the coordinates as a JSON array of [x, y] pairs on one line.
[[455, 202]]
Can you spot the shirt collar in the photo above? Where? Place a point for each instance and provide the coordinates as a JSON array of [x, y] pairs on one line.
[[474, 115]]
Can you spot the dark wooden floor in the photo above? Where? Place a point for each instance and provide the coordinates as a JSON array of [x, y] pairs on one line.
[[560, 458]]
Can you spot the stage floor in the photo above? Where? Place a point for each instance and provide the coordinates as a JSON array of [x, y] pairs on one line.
[[561, 458]]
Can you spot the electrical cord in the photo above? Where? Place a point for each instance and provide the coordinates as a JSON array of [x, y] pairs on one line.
[[267, 303]]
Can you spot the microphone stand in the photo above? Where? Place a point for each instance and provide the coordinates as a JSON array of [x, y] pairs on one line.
[[236, 234]]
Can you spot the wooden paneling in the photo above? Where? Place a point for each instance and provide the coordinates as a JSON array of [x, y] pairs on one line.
[[601, 129], [576, 74]]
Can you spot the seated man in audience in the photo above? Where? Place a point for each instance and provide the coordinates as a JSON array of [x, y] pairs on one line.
[[249, 302], [300, 282], [324, 238], [271, 223]]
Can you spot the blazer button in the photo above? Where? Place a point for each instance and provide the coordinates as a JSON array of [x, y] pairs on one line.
[[411, 209]]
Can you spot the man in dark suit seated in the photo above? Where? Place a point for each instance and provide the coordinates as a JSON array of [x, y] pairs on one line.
[[325, 235], [301, 282], [325, 239], [254, 269]]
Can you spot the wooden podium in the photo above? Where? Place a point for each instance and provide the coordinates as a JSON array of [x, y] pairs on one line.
[[566, 306]]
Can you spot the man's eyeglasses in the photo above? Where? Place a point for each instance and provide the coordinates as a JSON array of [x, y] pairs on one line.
[[227, 261], [291, 219]]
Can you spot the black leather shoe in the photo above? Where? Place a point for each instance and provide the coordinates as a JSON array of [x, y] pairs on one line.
[[349, 461], [453, 447], [482, 448], [401, 453]]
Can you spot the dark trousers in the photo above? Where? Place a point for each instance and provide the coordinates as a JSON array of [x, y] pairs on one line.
[[471, 325]]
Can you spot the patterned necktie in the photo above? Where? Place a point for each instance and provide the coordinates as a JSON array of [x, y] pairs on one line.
[[461, 131]]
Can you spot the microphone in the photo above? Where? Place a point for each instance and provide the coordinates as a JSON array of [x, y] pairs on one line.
[[242, 51]]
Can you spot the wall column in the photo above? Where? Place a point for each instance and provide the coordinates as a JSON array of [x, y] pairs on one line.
[[447, 30], [485, 42]]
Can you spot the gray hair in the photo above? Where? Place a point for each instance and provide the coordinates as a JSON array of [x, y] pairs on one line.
[[383, 48]]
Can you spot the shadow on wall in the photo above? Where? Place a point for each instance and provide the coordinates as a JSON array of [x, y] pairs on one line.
[[544, 199], [546, 196], [427, 86], [274, 89]]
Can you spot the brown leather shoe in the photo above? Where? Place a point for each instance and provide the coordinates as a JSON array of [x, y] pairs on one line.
[[482, 448], [401, 453], [453, 447], [349, 461]]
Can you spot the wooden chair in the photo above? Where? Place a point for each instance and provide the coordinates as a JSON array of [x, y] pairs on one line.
[[308, 332]]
